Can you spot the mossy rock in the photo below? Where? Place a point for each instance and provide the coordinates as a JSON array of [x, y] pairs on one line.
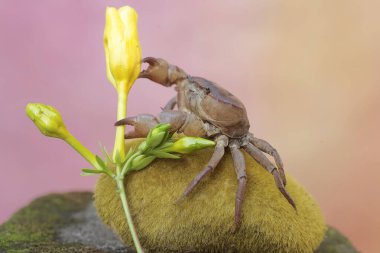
[[203, 221], [42, 226], [62, 223], [33, 229]]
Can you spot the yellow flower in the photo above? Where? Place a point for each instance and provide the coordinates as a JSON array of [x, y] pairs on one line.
[[123, 56], [122, 47], [47, 119]]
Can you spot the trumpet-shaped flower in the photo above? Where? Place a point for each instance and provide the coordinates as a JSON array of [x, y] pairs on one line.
[[47, 119], [122, 47]]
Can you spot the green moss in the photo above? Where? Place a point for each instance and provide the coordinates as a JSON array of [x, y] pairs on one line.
[[33, 228], [203, 221]]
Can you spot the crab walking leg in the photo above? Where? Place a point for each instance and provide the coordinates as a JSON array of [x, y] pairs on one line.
[[264, 161], [267, 148], [170, 104], [221, 143], [239, 164]]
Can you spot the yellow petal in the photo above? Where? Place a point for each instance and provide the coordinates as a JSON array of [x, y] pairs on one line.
[[122, 47], [129, 18], [108, 70]]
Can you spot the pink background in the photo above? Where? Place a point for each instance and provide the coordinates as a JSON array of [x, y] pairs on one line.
[[307, 71]]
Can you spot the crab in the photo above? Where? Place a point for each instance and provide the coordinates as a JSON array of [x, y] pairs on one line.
[[207, 110]]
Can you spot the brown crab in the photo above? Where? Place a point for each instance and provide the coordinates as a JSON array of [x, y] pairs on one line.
[[207, 110]]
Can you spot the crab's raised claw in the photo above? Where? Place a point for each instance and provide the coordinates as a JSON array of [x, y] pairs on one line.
[[160, 71], [157, 71], [152, 62]]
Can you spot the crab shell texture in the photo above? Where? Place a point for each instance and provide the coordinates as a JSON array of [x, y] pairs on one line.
[[202, 222], [213, 104]]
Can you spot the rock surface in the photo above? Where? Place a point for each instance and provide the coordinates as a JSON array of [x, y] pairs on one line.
[[58, 223], [68, 223]]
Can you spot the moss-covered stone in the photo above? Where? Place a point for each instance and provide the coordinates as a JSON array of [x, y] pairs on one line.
[[38, 228], [35, 228], [203, 221]]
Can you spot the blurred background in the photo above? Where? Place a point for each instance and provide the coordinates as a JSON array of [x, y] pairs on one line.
[[307, 71]]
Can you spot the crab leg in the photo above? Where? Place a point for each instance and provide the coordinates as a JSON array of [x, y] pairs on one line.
[[267, 148], [142, 123], [239, 164], [170, 104], [264, 161], [221, 143]]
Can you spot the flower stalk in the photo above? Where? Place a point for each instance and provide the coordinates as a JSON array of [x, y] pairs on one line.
[[82, 150], [123, 198], [119, 147]]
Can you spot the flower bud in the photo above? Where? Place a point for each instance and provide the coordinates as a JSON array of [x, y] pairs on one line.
[[47, 119], [141, 161], [158, 135], [122, 47], [187, 145]]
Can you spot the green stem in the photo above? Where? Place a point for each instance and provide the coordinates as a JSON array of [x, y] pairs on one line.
[[82, 150], [128, 163], [120, 130], [123, 198]]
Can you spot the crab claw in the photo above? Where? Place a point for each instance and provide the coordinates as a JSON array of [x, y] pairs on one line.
[[127, 121], [151, 61], [157, 71], [160, 71]]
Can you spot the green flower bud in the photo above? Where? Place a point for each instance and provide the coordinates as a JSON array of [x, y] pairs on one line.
[[47, 119], [141, 161], [158, 135], [187, 145], [143, 146]]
